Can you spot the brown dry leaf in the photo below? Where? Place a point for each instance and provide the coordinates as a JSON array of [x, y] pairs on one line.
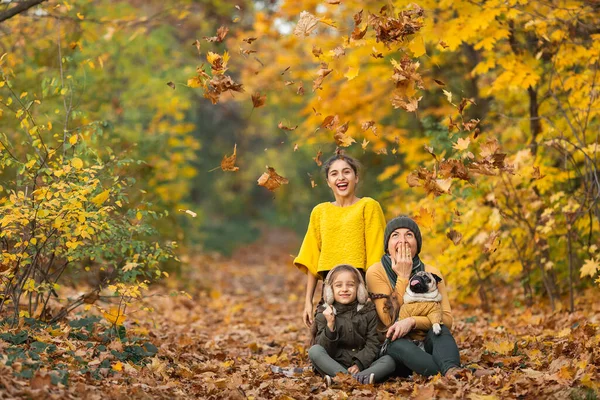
[[441, 83], [429, 149], [464, 103], [271, 180], [357, 18], [333, 2], [300, 90], [197, 44], [285, 70], [249, 40], [443, 44], [453, 169], [472, 124], [40, 380], [258, 100], [455, 236], [376, 54], [330, 121], [382, 151], [296, 147], [461, 144], [221, 33], [357, 34], [306, 24], [286, 128], [171, 85], [317, 52], [318, 158], [411, 105], [536, 174], [228, 162], [490, 245], [339, 51], [369, 124], [489, 148], [289, 83], [392, 30], [321, 74], [343, 140]]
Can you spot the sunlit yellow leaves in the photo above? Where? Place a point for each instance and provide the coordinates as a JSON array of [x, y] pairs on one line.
[[589, 268], [352, 73], [503, 347], [462, 144], [99, 199], [417, 46], [76, 163]]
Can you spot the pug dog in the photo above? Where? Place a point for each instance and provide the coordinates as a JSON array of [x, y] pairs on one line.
[[422, 298]]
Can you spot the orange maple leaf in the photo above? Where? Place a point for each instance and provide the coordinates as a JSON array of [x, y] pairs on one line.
[[271, 180]]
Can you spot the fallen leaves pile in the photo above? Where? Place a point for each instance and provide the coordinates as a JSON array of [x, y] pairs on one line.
[[243, 317]]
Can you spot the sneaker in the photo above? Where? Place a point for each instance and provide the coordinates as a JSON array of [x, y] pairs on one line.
[[365, 379], [328, 381]]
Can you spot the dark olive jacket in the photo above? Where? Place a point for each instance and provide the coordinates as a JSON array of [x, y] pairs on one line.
[[354, 339]]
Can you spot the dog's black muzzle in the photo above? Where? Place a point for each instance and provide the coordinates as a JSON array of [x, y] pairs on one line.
[[419, 284]]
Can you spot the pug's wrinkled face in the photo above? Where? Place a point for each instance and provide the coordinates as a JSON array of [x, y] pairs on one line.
[[424, 282]]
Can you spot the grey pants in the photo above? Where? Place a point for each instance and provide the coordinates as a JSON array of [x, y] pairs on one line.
[[441, 354], [383, 367]]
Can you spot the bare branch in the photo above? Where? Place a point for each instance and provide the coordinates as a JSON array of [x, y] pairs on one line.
[[19, 8]]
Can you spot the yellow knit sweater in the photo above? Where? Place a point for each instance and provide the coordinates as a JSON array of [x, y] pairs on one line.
[[342, 235]]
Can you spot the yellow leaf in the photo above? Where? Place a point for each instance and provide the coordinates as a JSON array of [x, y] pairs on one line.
[[194, 82], [118, 366], [589, 268], [23, 95], [271, 359], [101, 198], [352, 73], [448, 95], [138, 215], [462, 144], [114, 316], [504, 347], [73, 140], [77, 163], [212, 57], [417, 46]]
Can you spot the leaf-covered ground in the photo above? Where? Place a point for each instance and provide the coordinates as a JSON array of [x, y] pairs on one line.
[[244, 316]]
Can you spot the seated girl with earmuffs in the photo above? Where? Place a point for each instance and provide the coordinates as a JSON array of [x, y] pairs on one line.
[[346, 339]]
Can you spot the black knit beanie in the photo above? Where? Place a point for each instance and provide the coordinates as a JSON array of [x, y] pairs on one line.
[[402, 222]]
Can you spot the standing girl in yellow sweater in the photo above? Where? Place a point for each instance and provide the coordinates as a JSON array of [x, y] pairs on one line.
[[348, 230]]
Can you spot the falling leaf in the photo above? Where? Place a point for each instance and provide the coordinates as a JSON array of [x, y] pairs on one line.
[[368, 124], [312, 181], [300, 90], [382, 151], [536, 174], [285, 70], [443, 44], [461, 144], [271, 180], [171, 85], [306, 24], [455, 236], [197, 44], [321, 74], [448, 95], [329, 122], [285, 128], [249, 40], [469, 126], [318, 158], [429, 149], [425, 218], [296, 147], [258, 100], [352, 73], [439, 82], [221, 33], [334, 2], [338, 52], [489, 246], [190, 212], [358, 34], [364, 144], [464, 103], [489, 148], [317, 52], [228, 162]]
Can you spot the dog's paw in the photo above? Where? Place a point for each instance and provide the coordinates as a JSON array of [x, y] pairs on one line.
[[437, 329]]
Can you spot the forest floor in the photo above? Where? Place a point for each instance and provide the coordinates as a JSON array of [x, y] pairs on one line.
[[242, 316]]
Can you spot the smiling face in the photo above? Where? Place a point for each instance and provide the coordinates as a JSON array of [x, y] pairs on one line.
[[399, 237], [342, 179], [344, 287]]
